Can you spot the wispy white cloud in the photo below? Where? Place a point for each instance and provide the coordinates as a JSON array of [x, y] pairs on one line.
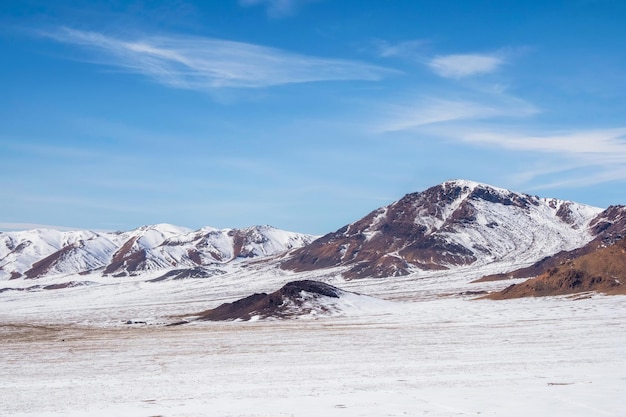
[[204, 63], [278, 8], [454, 66], [584, 179], [465, 65], [490, 119], [578, 158], [405, 49], [544, 169], [600, 145], [431, 111]]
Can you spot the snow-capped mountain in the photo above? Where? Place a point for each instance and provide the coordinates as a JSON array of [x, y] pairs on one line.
[[20, 251], [207, 246], [453, 224], [44, 252]]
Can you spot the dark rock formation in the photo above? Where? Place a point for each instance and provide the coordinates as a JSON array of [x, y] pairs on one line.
[[198, 272], [291, 300]]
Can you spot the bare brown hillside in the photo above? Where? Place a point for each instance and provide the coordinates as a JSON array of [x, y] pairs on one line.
[[603, 270]]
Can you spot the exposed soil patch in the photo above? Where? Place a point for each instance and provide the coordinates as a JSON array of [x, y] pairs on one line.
[[127, 257], [40, 268]]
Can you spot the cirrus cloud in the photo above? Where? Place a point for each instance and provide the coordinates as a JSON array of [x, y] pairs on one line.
[[425, 111], [586, 156], [198, 63], [465, 65]]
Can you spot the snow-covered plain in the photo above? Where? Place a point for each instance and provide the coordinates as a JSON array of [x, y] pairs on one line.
[[428, 350]]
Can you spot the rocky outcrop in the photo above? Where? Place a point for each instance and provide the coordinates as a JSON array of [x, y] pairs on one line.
[[189, 273], [296, 298]]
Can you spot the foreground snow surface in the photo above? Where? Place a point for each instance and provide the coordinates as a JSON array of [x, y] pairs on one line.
[[68, 353]]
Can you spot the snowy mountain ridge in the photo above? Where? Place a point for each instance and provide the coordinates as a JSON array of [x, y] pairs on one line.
[[44, 252]]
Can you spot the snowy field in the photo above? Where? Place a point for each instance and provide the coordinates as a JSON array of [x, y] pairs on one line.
[[423, 352]]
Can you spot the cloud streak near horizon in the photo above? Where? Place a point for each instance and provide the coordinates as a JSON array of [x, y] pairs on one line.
[[197, 63]]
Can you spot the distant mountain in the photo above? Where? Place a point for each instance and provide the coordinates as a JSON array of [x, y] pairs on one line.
[[29, 253], [453, 224], [601, 270], [37, 253]]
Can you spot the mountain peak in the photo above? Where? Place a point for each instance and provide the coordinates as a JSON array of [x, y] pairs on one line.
[[452, 224], [475, 189], [163, 228], [463, 184]]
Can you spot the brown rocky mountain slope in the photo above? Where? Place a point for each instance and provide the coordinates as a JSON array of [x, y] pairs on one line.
[[603, 270], [449, 225]]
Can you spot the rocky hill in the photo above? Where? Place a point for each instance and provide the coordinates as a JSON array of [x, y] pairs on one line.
[[294, 299], [602, 270]]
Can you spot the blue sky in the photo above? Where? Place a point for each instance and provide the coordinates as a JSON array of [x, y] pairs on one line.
[[302, 114]]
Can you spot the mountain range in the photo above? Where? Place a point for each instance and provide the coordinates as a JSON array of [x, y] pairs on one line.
[[452, 225], [43, 252]]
